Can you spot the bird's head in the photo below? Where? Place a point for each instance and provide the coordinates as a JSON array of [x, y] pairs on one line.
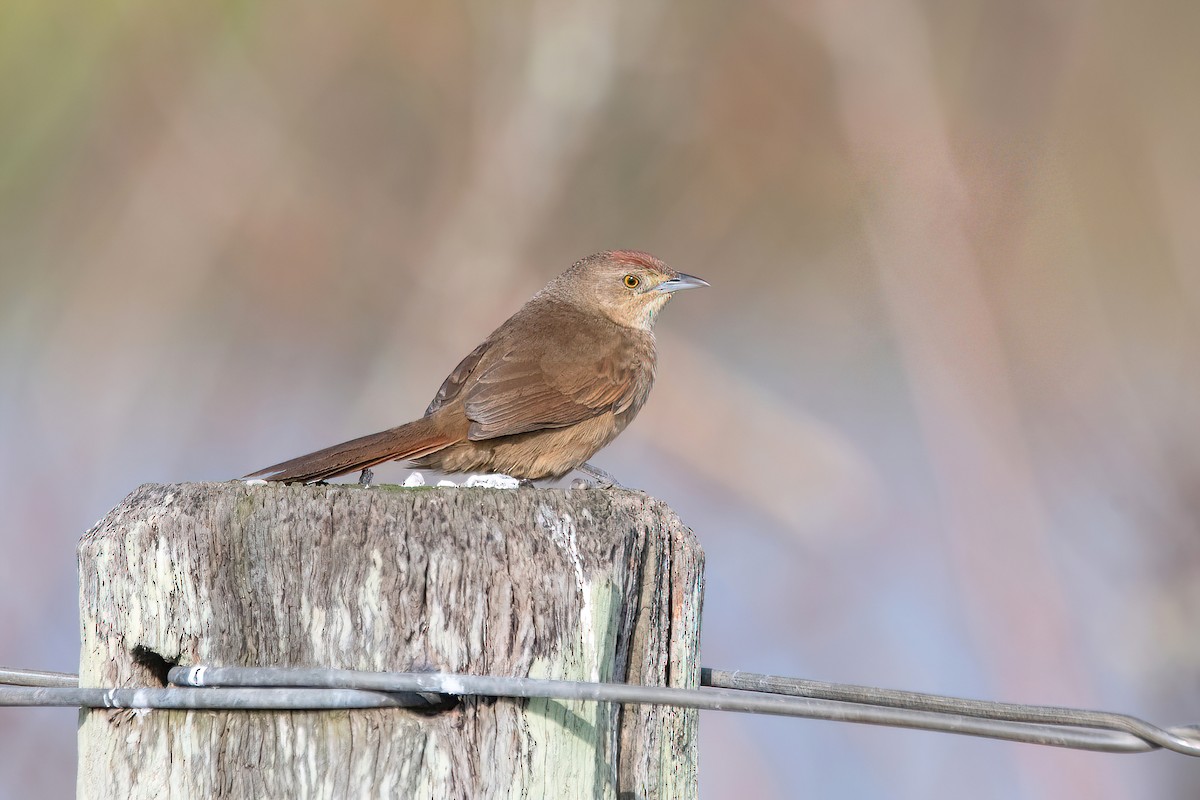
[[627, 286]]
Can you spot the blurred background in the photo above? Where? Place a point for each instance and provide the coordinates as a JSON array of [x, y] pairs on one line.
[[935, 422]]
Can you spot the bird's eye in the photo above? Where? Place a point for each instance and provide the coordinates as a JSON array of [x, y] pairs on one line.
[[632, 281]]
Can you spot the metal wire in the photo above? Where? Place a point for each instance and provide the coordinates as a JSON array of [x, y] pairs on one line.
[[1184, 739], [300, 689], [284, 699], [762, 701], [33, 677]]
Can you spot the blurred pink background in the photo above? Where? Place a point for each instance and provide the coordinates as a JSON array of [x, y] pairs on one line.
[[935, 422]]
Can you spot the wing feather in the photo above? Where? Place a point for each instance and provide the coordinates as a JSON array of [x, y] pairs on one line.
[[545, 383]]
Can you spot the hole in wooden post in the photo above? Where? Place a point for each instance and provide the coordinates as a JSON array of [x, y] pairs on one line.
[[154, 663], [436, 704]]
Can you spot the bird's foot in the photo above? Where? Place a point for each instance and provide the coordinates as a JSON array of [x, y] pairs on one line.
[[602, 479], [364, 480]]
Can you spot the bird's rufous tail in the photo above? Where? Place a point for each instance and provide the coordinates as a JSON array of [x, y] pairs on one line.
[[412, 440]]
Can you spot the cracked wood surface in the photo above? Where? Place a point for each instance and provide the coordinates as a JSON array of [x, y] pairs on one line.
[[546, 583]]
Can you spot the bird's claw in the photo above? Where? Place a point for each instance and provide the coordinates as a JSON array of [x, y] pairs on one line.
[[600, 478]]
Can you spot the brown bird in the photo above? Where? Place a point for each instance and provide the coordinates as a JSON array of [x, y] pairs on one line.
[[551, 386]]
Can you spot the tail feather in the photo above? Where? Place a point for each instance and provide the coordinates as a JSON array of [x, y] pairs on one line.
[[413, 440]]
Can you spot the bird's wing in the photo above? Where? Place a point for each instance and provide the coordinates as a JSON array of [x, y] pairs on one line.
[[566, 374], [453, 385]]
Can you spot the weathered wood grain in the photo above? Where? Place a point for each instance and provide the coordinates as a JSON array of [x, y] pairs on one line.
[[570, 584]]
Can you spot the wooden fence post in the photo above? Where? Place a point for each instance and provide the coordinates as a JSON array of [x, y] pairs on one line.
[[569, 584]]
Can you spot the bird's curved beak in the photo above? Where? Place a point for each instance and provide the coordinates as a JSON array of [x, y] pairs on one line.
[[680, 281]]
